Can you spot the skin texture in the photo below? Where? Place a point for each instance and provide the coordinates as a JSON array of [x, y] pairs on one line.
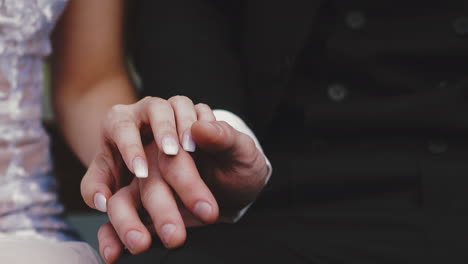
[[118, 136]]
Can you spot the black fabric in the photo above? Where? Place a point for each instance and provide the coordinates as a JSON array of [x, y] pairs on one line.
[[345, 202], [378, 176], [312, 237], [405, 69]]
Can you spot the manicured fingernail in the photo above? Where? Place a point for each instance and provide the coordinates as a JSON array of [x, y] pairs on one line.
[[100, 202], [166, 232], [106, 252], [132, 238], [170, 145], [203, 210], [140, 167], [187, 141]]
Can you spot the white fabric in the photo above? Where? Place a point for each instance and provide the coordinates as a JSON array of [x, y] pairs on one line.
[[19, 250], [28, 197]]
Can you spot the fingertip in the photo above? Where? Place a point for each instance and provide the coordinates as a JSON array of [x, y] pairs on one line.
[[206, 212], [172, 235], [96, 196], [110, 246], [111, 254], [96, 187], [170, 145], [137, 241], [178, 240], [140, 167], [100, 202]]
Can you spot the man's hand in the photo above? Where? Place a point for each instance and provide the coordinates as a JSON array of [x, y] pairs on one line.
[[224, 174]]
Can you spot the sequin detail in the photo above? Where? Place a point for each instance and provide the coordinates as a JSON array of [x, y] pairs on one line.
[[28, 197]]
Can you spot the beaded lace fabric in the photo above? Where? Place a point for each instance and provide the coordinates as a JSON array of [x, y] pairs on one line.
[[28, 199]]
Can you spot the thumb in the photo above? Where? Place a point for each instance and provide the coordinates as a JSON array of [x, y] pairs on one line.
[[219, 136]]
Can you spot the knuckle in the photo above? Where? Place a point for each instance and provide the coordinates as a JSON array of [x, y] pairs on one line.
[[180, 99], [203, 106], [154, 102], [166, 127], [119, 127], [132, 149], [224, 124], [226, 129], [251, 150], [105, 167], [181, 181], [249, 143], [147, 195], [145, 99], [123, 124], [115, 113], [118, 108], [103, 163]]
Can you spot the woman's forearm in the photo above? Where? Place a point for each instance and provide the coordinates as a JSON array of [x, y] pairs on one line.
[[89, 70], [79, 114]]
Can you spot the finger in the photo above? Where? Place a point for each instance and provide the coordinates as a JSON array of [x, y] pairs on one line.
[[182, 175], [160, 115], [121, 127], [204, 112], [159, 201], [219, 136], [100, 179], [110, 246], [244, 162], [123, 214], [185, 116]]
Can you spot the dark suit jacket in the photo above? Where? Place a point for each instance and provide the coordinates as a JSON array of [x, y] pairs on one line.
[[407, 66], [230, 54], [406, 69]]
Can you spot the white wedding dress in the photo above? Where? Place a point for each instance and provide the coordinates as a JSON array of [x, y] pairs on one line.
[[29, 208]]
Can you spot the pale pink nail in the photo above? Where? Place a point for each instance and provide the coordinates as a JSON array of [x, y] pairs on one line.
[[166, 232], [106, 252], [187, 141], [170, 145], [133, 237], [203, 210], [140, 168], [100, 202]]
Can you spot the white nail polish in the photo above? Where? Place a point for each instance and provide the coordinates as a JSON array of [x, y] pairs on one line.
[[170, 145], [140, 168], [187, 141], [100, 202]]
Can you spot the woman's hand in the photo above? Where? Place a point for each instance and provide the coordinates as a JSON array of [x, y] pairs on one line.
[[178, 188]]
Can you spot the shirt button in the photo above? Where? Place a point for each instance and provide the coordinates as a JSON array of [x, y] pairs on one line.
[[337, 92], [355, 20], [460, 25], [437, 146]]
